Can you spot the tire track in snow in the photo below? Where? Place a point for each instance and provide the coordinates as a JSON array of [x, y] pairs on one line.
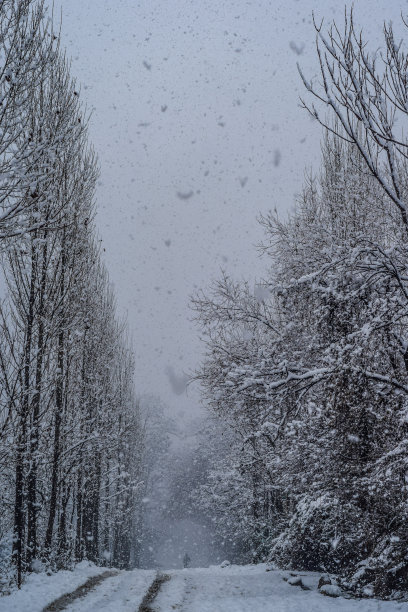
[[122, 592], [65, 600], [146, 605]]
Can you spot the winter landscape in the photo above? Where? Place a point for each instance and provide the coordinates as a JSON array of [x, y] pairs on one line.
[[203, 306]]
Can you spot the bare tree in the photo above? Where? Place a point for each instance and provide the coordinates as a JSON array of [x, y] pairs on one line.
[[28, 47], [69, 420], [368, 94]]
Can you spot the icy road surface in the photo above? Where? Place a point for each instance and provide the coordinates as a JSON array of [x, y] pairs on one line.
[[250, 589]]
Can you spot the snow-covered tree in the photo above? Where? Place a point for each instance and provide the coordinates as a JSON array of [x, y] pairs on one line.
[[311, 377], [71, 434]]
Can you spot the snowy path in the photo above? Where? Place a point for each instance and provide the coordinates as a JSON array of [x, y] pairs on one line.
[[39, 590], [121, 593], [250, 589], [231, 589]]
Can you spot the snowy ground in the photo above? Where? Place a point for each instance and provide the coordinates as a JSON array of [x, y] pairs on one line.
[[215, 589], [40, 590], [121, 593], [251, 589]]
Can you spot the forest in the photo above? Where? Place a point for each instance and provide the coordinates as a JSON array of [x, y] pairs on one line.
[[71, 430], [308, 373], [301, 460]]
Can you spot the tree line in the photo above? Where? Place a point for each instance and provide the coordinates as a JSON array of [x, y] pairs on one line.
[[71, 432], [309, 373]]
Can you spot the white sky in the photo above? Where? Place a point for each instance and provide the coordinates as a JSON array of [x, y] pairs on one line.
[[193, 97]]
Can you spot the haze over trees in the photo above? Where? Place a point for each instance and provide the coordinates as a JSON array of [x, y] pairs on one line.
[[309, 373]]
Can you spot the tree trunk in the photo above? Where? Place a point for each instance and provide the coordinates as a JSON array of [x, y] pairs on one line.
[[56, 451], [19, 510], [32, 509], [59, 403]]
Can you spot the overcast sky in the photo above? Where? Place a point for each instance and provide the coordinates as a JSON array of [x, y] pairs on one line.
[[198, 129]]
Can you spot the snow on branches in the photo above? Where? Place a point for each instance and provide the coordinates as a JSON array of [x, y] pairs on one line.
[[313, 379]]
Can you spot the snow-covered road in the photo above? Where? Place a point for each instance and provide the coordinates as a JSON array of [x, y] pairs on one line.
[[251, 589], [233, 588]]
